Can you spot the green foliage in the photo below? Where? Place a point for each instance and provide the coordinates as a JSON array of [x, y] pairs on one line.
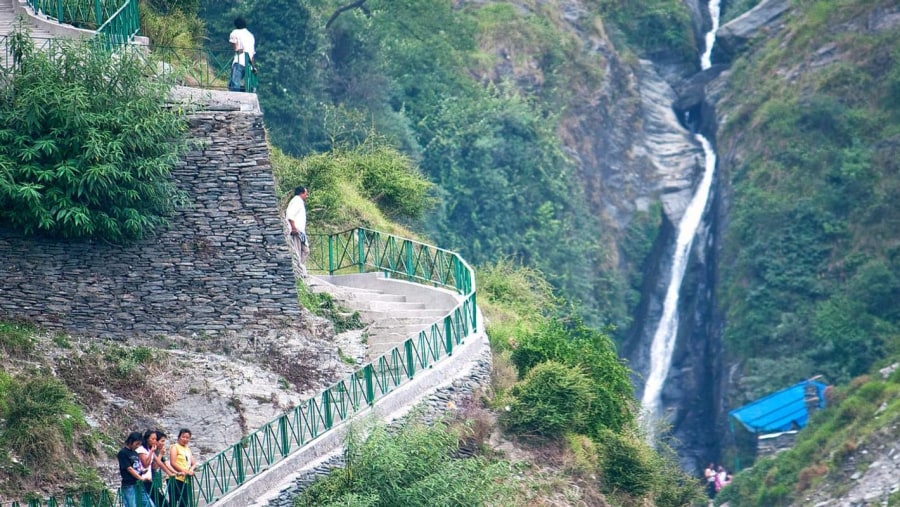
[[414, 467], [41, 418], [661, 29], [86, 145], [16, 339], [628, 463], [551, 400], [810, 271], [173, 24], [292, 83], [374, 171], [579, 347], [404, 69], [323, 305], [515, 299], [507, 189]]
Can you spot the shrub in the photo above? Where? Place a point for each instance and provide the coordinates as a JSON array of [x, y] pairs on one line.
[[16, 339], [41, 418], [413, 467], [628, 463], [551, 400], [584, 349], [584, 454], [86, 144]]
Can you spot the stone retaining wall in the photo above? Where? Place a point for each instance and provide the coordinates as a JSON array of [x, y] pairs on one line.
[[222, 266]]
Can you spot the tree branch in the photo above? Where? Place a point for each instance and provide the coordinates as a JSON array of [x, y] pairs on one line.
[[358, 4]]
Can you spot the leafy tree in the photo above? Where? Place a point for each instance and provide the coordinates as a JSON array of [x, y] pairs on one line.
[[292, 84], [86, 144]]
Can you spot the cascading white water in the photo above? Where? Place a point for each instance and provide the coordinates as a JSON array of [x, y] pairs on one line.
[[663, 343]]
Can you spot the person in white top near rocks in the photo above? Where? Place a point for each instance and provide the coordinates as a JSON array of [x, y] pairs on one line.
[[295, 217], [244, 45]]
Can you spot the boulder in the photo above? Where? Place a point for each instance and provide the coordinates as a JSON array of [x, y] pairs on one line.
[[733, 36]]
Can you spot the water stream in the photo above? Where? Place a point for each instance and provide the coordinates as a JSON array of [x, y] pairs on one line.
[[663, 344]]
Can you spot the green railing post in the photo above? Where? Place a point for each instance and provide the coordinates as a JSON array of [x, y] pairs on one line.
[[473, 307], [361, 248], [60, 16], [448, 335], [326, 406], [331, 254], [410, 366], [238, 457], [410, 269], [369, 375], [98, 12], [285, 447]]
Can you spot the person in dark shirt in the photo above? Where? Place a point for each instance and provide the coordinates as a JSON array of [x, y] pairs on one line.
[[129, 464]]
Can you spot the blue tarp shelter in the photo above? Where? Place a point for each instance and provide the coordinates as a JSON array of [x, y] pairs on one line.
[[780, 411]]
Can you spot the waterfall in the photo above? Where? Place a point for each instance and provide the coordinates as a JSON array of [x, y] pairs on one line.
[[663, 344]]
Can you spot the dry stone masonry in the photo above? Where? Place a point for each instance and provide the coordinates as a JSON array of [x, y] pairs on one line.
[[222, 266]]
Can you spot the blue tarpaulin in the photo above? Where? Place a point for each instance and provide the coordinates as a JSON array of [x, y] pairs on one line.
[[779, 411]]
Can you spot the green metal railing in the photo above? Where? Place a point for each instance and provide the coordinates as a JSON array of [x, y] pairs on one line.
[[121, 27], [194, 67], [357, 250], [116, 19]]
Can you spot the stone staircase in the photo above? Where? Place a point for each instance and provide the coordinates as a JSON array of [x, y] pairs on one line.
[[393, 310], [8, 21]]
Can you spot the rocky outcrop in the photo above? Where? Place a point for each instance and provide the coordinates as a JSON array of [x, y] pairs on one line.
[[734, 35]]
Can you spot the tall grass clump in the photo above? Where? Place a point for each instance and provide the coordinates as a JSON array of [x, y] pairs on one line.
[[412, 467], [16, 339]]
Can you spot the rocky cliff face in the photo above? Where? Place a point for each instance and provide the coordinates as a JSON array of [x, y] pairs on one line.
[[635, 153]]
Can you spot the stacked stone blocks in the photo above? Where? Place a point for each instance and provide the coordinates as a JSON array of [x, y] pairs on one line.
[[222, 266]]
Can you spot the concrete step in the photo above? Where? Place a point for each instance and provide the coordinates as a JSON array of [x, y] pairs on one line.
[[372, 315], [401, 330], [390, 321], [388, 307]]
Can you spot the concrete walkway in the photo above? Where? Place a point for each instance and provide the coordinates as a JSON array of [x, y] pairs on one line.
[[394, 310], [8, 20]]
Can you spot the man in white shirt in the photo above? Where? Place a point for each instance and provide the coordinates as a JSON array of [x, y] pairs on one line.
[[295, 216], [244, 45]]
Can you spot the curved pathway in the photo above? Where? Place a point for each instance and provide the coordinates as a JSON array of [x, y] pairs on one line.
[[392, 308]]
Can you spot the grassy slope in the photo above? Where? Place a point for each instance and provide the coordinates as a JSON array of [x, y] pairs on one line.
[[811, 260], [839, 442]]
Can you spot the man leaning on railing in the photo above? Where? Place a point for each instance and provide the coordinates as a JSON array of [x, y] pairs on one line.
[[244, 49]]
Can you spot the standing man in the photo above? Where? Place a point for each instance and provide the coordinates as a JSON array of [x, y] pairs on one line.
[[244, 49], [295, 216]]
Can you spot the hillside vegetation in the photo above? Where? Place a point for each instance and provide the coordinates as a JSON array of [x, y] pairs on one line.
[[475, 93], [833, 453], [810, 265], [811, 259]]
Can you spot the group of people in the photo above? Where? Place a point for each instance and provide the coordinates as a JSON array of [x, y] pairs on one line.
[[716, 479], [152, 477]]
